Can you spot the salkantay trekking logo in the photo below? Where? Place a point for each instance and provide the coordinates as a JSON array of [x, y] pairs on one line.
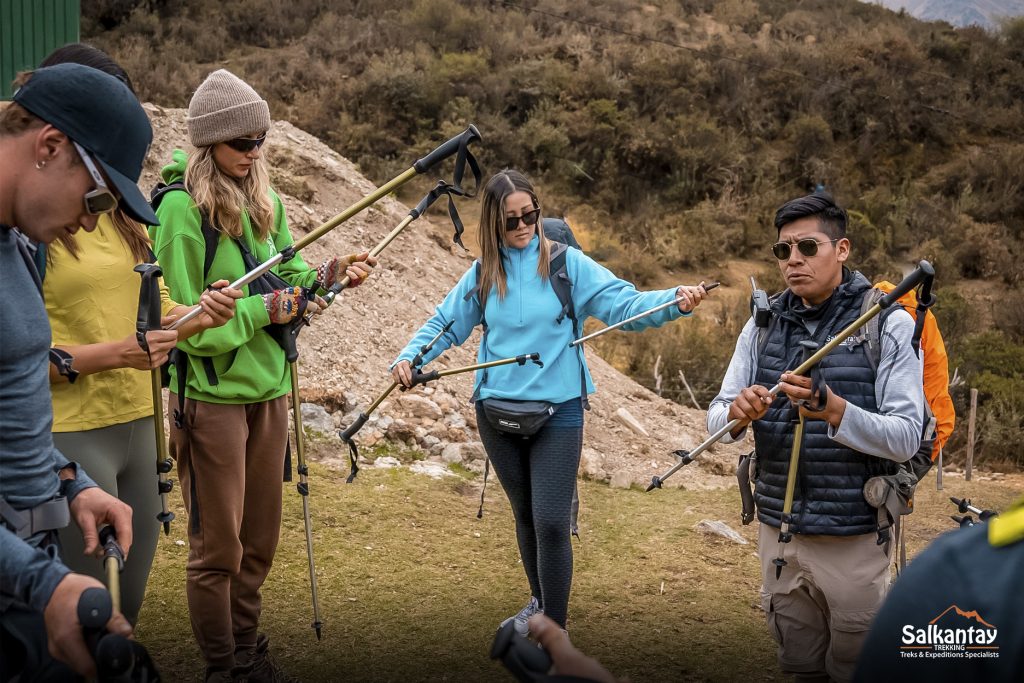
[[955, 634]]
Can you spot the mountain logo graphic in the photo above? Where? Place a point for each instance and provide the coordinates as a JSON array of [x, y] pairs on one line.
[[973, 614]]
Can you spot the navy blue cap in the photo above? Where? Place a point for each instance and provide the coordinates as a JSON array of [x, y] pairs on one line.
[[101, 114]]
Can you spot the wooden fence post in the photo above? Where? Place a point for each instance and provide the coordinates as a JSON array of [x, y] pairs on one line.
[[970, 435]]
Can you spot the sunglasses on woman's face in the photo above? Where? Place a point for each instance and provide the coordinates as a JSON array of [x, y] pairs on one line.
[[807, 247], [246, 144], [99, 200], [529, 218]]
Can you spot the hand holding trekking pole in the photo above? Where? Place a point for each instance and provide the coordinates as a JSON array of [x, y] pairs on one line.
[[689, 297], [64, 634], [93, 508]]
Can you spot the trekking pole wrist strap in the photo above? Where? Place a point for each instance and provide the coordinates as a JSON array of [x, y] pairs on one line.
[[62, 360]]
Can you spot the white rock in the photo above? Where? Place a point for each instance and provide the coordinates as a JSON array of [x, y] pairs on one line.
[[452, 453], [621, 479], [472, 451], [627, 419], [592, 464], [719, 528], [455, 420], [429, 441], [386, 462], [475, 466], [433, 470], [316, 419], [419, 406]]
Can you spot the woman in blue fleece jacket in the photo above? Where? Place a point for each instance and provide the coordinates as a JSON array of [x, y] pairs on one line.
[[523, 315]]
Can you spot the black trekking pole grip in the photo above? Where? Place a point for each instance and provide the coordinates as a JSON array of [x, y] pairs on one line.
[[924, 273], [446, 149], [350, 431]]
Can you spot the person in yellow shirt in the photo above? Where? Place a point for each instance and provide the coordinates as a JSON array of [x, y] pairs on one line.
[[105, 417]]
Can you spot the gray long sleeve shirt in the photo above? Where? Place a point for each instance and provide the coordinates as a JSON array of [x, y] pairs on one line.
[[894, 432], [29, 462]]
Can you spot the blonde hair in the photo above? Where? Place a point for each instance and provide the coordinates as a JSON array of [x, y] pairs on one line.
[[222, 198], [492, 231]]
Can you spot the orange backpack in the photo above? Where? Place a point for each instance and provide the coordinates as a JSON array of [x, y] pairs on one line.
[[936, 369]]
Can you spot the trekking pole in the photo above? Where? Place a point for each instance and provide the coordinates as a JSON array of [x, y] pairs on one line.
[[113, 563], [650, 311], [458, 145], [292, 356], [808, 348], [303, 489], [149, 319], [923, 275], [424, 377], [442, 188], [963, 505]]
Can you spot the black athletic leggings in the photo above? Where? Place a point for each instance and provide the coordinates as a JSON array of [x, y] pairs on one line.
[[538, 474]]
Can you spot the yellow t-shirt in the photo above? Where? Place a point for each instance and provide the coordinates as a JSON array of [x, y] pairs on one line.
[[89, 300]]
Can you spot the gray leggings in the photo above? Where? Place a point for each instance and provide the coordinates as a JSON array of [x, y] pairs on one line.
[[538, 474], [121, 459]]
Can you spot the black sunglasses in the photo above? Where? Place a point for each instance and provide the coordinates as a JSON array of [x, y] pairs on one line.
[[246, 144], [530, 218], [807, 247]]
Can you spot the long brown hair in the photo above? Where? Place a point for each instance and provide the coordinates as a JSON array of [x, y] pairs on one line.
[[223, 198], [492, 231]]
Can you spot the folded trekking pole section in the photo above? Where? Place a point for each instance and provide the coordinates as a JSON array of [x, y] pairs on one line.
[[923, 275], [650, 311], [419, 377], [458, 146], [808, 348], [148, 320]]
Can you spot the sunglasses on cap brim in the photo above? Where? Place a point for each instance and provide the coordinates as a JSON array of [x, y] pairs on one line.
[[100, 200], [246, 144]]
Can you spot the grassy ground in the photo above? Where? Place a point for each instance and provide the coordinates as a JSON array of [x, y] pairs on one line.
[[412, 584]]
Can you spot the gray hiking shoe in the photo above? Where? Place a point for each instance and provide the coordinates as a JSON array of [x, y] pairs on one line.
[[257, 665], [521, 627]]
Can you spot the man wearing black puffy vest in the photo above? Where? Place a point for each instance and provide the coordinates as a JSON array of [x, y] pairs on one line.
[[859, 424]]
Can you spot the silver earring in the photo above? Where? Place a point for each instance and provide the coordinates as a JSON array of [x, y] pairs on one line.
[[40, 165]]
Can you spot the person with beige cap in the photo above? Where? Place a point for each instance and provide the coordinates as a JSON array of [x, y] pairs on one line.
[[219, 216]]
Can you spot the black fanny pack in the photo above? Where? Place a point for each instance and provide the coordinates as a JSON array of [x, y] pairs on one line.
[[524, 418]]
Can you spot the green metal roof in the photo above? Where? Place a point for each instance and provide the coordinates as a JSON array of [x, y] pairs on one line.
[[30, 30]]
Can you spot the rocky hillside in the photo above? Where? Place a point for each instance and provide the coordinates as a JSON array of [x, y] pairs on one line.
[[630, 431]]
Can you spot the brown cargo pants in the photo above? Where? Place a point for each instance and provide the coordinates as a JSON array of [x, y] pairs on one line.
[[820, 609], [230, 464]]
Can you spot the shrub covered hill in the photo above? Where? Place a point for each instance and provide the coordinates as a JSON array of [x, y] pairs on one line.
[[668, 131]]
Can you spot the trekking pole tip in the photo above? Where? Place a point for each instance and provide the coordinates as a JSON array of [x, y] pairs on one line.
[[318, 627], [655, 483]]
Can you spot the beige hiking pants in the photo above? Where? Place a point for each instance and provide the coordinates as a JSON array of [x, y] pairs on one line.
[[820, 609]]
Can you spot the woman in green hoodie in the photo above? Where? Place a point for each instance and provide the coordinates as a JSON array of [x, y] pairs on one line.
[[231, 442]]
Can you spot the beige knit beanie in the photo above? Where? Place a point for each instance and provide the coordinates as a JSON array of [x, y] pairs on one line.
[[225, 107]]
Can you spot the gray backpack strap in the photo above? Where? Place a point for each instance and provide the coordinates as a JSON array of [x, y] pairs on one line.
[[558, 274], [871, 333]]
